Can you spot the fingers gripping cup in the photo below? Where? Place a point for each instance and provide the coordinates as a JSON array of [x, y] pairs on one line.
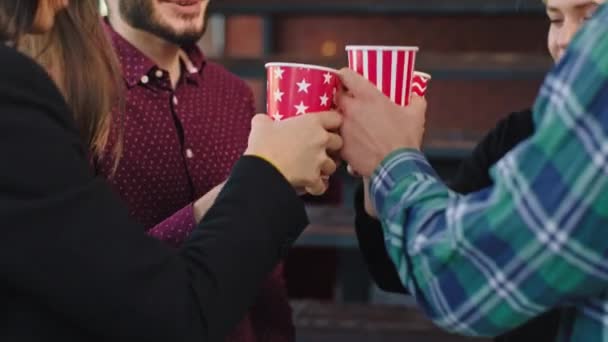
[[390, 68], [420, 83], [297, 89]]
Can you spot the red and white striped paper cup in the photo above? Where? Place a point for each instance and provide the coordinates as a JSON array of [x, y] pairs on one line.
[[390, 68], [420, 83], [294, 89]]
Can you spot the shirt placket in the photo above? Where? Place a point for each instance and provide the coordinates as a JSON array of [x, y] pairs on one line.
[[177, 114]]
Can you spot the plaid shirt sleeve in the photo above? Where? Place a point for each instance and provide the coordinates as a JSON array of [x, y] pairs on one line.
[[485, 263]]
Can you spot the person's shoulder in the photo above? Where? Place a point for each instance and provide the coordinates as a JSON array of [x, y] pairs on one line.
[[521, 122], [524, 115], [220, 74], [10, 54], [23, 76], [508, 133], [27, 88], [17, 65]]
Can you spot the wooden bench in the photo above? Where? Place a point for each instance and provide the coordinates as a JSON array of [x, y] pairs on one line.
[[325, 322]]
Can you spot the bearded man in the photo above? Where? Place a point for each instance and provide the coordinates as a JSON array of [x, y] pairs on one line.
[[185, 123]]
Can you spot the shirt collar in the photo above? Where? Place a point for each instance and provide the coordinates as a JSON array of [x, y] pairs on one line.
[[136, 65]]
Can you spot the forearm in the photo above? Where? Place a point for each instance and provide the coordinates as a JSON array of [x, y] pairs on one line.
[[203, 204], [134, 288], [473, 262], [175, 229], [242, 238]]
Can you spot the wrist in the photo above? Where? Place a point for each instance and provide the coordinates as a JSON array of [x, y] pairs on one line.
[[198, 211], [267, 159], [201, 206], [390, 150], [367, 202]]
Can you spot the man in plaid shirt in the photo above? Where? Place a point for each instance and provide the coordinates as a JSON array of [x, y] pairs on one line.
[[484, 263]]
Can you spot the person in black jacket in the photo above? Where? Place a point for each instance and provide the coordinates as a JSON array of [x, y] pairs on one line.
[[63, 274], [566, 18]]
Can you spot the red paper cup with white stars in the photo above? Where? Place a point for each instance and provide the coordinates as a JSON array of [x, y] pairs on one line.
[[296, 89], [390, 68], [420, 83]]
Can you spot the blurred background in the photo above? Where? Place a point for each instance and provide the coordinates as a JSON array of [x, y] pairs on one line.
[[487, 59]]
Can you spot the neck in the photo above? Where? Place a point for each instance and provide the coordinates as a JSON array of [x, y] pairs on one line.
[[166, 55]]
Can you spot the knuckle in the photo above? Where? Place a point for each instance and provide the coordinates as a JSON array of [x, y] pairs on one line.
[[339, 141], [309, 177], [258, 119], [311, 180], [331, 168], [317, 118], [325, 137]]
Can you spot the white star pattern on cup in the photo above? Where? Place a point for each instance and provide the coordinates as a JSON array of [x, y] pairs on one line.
[[278, 73], [301, 108], [328, 76], [324, 100], [278, 95], [303, 86], [277, 116]]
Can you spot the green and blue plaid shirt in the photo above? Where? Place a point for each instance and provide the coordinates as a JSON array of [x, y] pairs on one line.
[[485, 263]]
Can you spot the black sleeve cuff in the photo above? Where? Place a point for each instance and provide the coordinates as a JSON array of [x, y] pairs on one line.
[[271, 195]]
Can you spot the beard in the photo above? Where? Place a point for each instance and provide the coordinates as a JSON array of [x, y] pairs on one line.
[[140, 14]]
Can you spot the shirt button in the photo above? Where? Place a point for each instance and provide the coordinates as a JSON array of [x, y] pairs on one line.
[[145, 79], [189, 153], [159, 73], [175, 100]]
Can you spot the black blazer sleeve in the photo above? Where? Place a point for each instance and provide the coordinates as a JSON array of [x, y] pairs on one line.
[[472, 175], [67, 241]]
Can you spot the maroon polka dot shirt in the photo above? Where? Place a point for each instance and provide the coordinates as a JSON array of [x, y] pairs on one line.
[[180, 143]]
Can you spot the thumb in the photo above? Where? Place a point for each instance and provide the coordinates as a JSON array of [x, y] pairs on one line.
[[260, 119], [318, 188], [356, 84], [330, 120]]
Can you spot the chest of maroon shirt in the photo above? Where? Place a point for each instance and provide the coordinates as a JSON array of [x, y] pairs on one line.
[[178, 144]]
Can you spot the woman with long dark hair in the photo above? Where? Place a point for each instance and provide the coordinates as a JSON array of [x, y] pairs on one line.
[[63, 273]]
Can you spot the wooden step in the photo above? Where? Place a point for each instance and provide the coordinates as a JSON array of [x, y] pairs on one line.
[[322, 322]]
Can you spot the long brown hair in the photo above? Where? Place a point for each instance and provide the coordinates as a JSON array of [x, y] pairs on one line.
[[80, 58], [16, 19]]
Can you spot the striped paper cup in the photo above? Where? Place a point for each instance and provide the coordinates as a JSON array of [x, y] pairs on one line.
[[390, 68], [420, 83]]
